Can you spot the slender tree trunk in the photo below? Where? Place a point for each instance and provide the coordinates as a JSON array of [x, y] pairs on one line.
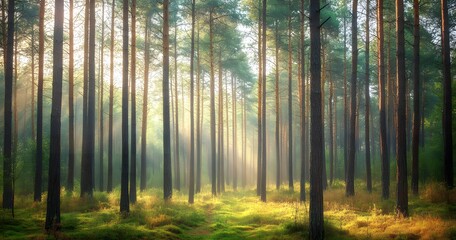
[[39, 109], [367, 104], [277, 106], [244, 137], [447, 105], [302, 102], [143, 182], [8, 193], [111, 99], [53, 197], [91, 99], [33, 83], [350, 187], [198, 116], [401, 149], [191, 190], [212, 107], [260, 87], [331, 129], [101, 92], [86, 164], [235, 160], [167, 175], [345, 100], [176, 130], [220, 180], [263, 110], [70, 179], [124, 199], [384, 152], [316, 229], [133, 105], [416, 97], [290, 111]]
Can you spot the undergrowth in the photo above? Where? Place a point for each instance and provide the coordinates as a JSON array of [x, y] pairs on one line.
[[237, 215]]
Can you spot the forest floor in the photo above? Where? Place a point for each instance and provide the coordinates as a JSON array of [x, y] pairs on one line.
[[237, 215]]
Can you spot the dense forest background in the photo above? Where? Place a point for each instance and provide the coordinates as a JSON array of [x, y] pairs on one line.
[[237, 119]]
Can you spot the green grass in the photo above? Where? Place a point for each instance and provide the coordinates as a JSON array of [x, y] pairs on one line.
[[236, 215]]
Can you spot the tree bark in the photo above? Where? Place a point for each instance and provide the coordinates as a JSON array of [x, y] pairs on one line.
[[212, 107], [277, 106], [111, 99], [290, 111], [302, 102], [124, 199], [167, 175], [401, 149], [447, 105], [133, 105], [367, 104], [191, 190], [198, 116], [350, 187], [8, 193], [384, 151], [53, 197], [70, 178], [263, 110], [101, 102], [260, 87], [39, 109], [416, 97], [143, 182], [176, 130], [316, 230]]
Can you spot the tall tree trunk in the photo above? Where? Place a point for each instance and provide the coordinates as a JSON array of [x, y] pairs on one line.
[[86, 167], [302, 102], [277, 106], [235, 160], [260, 90], [346, 127], [290, 111], [198, 116], [8, 194], [350, 187], [367, 104], [70, 177], [244, 137], [111, 99], [32, 110], [220, 177], [416, 96], [384, 152], [167, 181], [447, 105], [401, 149], [212, 107], [316, 230], [101, 93], [133, 105], [91, 99], [176, 130], [39, 109], [143, 182], [263, 110], [191, 190], [124, 199], [53, 197], [331, 128]]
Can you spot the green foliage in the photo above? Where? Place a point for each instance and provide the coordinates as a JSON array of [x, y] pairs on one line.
[[234, 215]]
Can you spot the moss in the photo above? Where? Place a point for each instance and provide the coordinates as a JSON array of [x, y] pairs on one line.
[[233, 215]]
